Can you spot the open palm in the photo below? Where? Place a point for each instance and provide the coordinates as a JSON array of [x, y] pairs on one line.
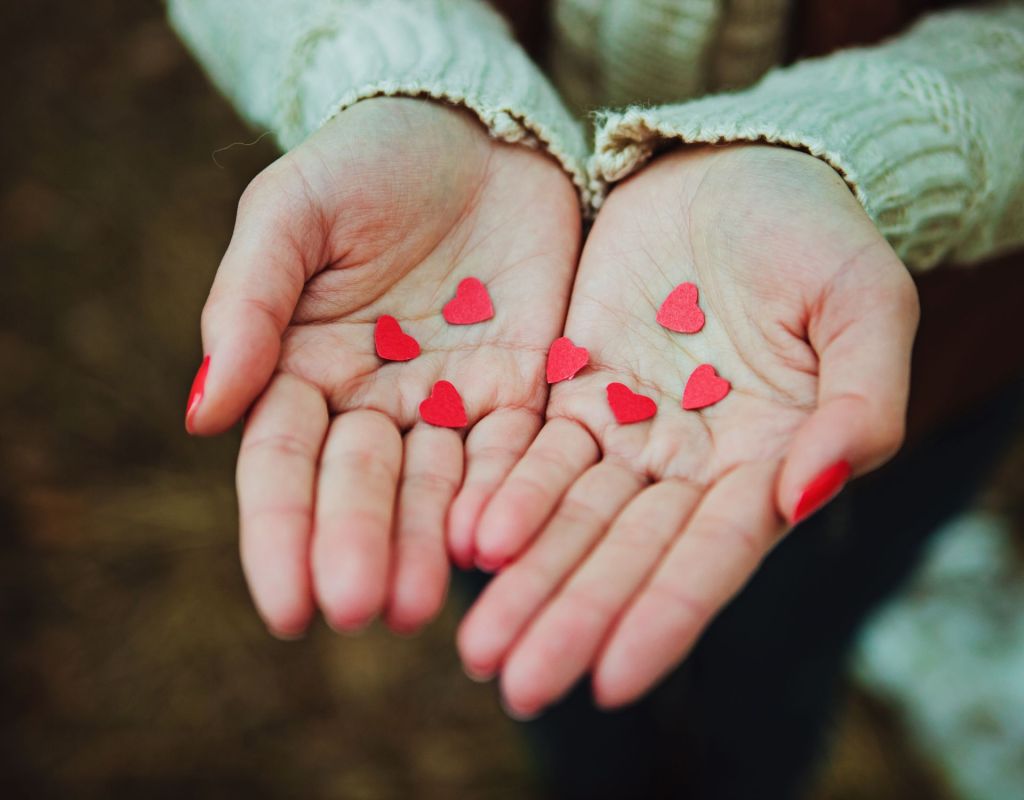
[[636, 535], [343, 491]]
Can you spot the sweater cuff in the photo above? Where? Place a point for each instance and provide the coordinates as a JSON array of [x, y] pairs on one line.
[[899, 133], [319, 58]]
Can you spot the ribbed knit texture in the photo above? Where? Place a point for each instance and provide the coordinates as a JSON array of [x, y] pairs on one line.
[[662, 51], [927, 129], [749, 43], [291, 65]]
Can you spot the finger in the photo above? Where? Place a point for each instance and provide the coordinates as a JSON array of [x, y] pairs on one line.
[[733, 527], [354, 508], [561, 643], [273, 248], [275, 478], [431, 471], [516, 594], [863, 334], [521, 505], [493, 447]]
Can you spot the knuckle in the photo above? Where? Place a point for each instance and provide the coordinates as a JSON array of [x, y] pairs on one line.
[[588, 602], [576, 511], [718, 527], [527, 579], [498, 453], [642, 534], [430, 483], [527, 489], [550, 458], [278, 445], [420, 542], [273, 518], [692, 611], [365, 463], [359, 524]]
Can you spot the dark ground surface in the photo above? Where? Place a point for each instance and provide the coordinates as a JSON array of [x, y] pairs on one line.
[[132, 662]]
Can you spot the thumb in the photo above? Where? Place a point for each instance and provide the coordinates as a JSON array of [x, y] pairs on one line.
[[272, 251], [863, 332]]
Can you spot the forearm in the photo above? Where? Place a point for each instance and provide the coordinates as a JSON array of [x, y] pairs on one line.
[[290, 65], [926, 129]]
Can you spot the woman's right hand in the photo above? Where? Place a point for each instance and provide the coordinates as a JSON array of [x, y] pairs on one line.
[[343, 491]]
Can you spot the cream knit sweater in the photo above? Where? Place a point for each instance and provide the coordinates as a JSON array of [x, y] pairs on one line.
[[927, 128]]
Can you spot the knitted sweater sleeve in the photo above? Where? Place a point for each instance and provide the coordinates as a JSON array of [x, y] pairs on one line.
[[291, 65], [927, 129]]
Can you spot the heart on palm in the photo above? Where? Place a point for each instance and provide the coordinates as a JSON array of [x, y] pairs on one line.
[[392, 343], [680, 312], [628, 406], [704, 388], [565, 359], [470, 305], [444, 407]]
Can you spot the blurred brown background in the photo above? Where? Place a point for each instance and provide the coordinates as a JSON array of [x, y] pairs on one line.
[[132, 662]]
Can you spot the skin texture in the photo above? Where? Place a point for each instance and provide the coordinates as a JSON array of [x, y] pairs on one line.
[[343, 491], [618, 544], [625, 541]]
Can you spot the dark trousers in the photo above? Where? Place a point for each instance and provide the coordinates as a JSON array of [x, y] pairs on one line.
[[746, 715]]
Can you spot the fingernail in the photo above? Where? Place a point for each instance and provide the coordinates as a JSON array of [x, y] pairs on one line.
[[286, 636], [519, 715], [195, 395], [825, 486], [404, 630], [486, 563], [477, 676]]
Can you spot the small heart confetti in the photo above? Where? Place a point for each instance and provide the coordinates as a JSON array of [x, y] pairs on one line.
[[628, 406], [565, 359], [471, 304], [444, 407], [394, 344], [704, 388], [680, 311]]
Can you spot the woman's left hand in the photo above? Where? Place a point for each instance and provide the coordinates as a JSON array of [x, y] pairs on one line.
[[628, 539]]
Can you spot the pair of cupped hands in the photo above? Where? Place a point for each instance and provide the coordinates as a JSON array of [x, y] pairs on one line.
[[615, 545]]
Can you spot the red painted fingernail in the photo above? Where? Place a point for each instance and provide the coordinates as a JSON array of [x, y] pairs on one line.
[[195, 395], [828, 483]]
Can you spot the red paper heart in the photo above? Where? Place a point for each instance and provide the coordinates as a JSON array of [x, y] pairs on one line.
[[680, 311], [565, 359], [704, 388], [470, 304], [394, 344], [444, 407], [628, 406]]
